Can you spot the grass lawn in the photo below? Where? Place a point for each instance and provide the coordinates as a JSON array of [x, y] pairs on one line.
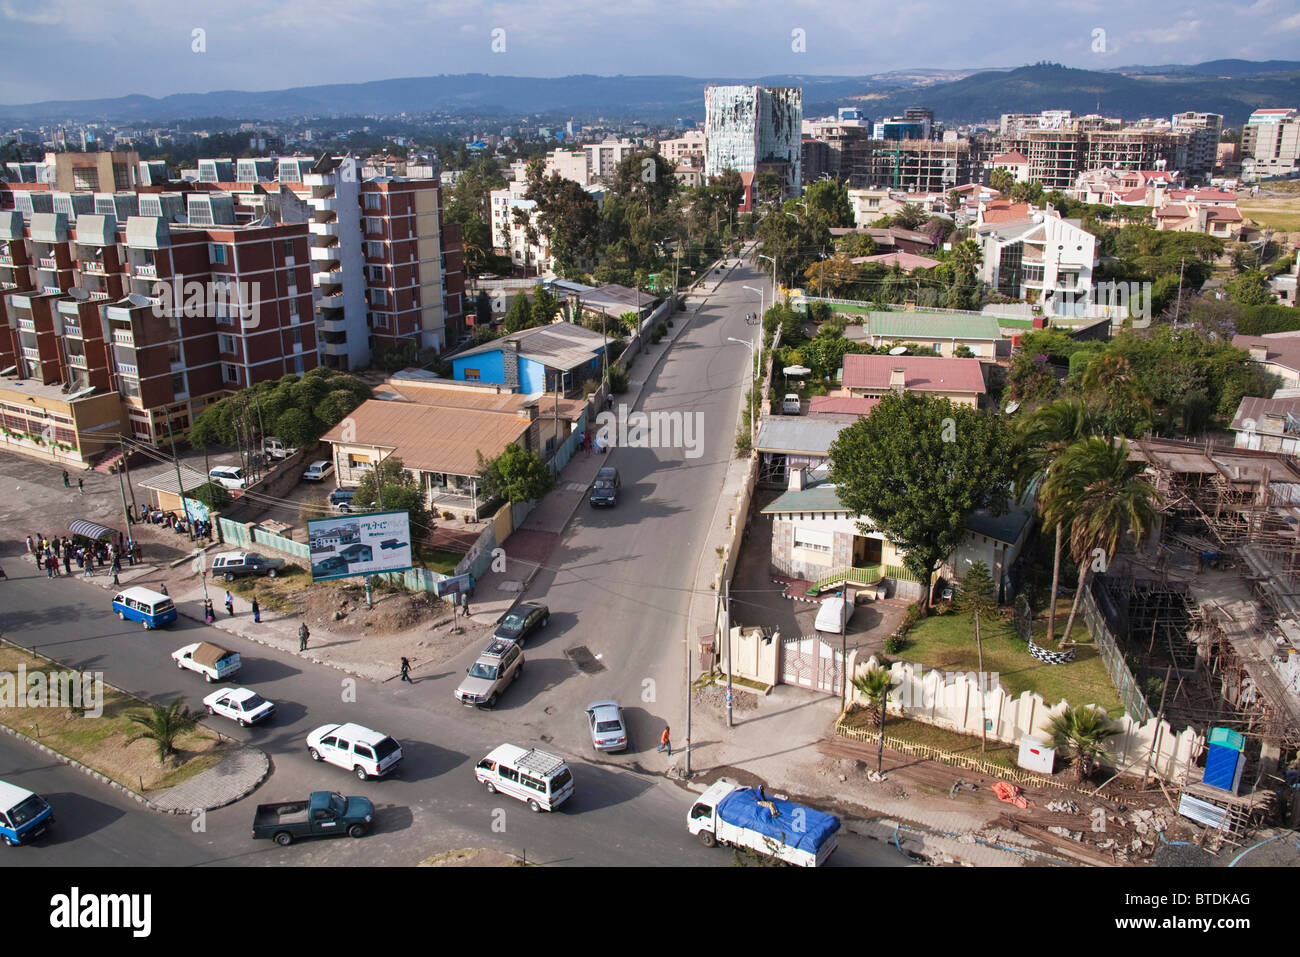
[[440, 560], [948, 642], [917, 732], [101, 743], [1274, 213], [271, 593]]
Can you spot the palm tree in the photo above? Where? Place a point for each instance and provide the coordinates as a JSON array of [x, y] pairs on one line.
[[1098, 494], [1081, 734], [163, 725], [874, 684], [1044, 435], [966, 258]]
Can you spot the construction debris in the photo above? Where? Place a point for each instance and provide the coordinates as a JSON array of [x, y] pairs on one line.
[[1063, 807]]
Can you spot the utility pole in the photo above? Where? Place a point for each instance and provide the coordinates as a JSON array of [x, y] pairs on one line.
[[1179, 300], [122, 485], [127, 468], [979, 650], [726, 637], [180, 487]]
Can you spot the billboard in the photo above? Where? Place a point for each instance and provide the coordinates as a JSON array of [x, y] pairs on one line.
[[366, 544]]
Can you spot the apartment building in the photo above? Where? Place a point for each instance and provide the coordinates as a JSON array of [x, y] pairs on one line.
[[915, 166], [754, 129], [690, 145], [603, 158], [1041, 258], [833, 148], [338, 267], [93, 172], [133, 326], [510, 234], [1203, 131], [1272, 139], [1059, 146]]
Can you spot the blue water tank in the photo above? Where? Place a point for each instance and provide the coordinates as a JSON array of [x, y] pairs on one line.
[[1223, 766]]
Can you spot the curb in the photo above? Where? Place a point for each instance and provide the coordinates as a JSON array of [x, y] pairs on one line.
[[138, 798]]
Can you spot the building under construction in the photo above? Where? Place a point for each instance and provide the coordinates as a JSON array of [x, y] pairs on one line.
[[1208, 615], [916, 166], [1059, 150]]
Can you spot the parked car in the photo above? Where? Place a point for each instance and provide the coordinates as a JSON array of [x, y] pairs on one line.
[[212, 661], [277, 448], [357, 553], [228, 476], [333, 565], [604, 491], [790, 405], [366, 753], [521, 622], [607, 727], [317, 471], [234, 565], [324, 814], [341, 498], [499, 664], [239, 705]]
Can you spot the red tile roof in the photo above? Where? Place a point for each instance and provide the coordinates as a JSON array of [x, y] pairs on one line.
[[1172, 211], [920, 373], [907, 261], [1012, 158], [1224, 214], [999, 211]]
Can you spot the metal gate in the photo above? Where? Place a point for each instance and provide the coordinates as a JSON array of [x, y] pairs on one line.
[[810, 662]]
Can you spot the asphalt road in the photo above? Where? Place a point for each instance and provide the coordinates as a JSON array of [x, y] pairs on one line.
[[616, 817]]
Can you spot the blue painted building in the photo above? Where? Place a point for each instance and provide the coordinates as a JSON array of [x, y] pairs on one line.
[[554, 358]]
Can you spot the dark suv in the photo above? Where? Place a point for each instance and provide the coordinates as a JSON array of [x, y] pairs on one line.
[[605, 490], [234, 565]]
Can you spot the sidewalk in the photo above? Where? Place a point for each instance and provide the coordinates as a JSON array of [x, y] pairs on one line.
[[531, 545]]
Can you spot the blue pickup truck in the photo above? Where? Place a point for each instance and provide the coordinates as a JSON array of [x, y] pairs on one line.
[[324, 814]]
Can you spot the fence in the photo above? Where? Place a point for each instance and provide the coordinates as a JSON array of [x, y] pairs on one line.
[[953, 701], [1135, 703], [947, 757]]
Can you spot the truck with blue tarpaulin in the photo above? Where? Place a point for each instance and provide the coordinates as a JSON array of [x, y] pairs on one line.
[[731, 815]]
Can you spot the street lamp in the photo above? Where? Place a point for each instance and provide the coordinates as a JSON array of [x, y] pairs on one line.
[[752, 424], [761, 310]]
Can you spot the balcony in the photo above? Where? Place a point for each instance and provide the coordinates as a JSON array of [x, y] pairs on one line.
[[92, 268], [145, 271], [324, 229], [31, 355], [339, 349], [27, 325], [325, 253], [48, 262], [6, 259], [330, 273], [72, 330], [127, 368], [77, 361], [324, 204], [124, 337], [331, 302]]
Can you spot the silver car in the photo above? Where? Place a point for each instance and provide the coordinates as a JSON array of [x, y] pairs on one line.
[[499, 664], [608, 729]]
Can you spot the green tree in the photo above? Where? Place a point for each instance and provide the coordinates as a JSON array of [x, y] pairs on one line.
[[1097, 492], [909, 217], [516, 475], [830, 200], [297, 427], [520, 314], [916, 468], [1081, 734], [568, 215], [1002, 180], [976, 594], [1251, 288], [545, 306], [1043, 435], [393, 489], [163, 725], [214, 496], [858, 244]]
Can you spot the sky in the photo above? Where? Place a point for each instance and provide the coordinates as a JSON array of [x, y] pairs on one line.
[[85, 49]]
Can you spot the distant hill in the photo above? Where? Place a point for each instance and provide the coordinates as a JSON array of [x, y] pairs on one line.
[[985, 95], [956, 96]]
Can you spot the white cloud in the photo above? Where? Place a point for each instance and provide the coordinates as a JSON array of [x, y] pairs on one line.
[[47, 16]]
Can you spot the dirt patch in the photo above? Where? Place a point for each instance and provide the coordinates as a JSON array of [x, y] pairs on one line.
[[714, 698], [470, 857], [342, 609]]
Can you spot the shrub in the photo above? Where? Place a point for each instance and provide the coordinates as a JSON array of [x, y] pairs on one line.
[[617, 380], [590, 387], [616, 348], [894, 644]]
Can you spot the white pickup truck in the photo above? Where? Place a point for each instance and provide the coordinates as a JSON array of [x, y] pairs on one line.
[[211, 661], [728, 814]]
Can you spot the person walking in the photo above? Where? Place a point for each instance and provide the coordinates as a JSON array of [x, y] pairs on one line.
[[406, 671], [49, 566], [464, 603], [208, 614], [67, 561], [665, 742], [230, 603], [31, 547], [81, 486], [163, 588], [303, 635], [66, 483], [117, 567], [257, 612]]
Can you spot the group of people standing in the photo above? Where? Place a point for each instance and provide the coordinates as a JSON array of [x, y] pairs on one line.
[[50, 553]]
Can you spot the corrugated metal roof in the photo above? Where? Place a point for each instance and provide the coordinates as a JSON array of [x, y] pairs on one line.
[[931, 325], [797, 434], [429, 438], [561, 345], [818, 498]]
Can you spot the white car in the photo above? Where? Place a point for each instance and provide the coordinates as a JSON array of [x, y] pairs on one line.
[[240, 705], [366, 753], [317, 471]]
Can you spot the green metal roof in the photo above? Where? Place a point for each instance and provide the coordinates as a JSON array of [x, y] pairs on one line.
[[818, 498], [931, 325]]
